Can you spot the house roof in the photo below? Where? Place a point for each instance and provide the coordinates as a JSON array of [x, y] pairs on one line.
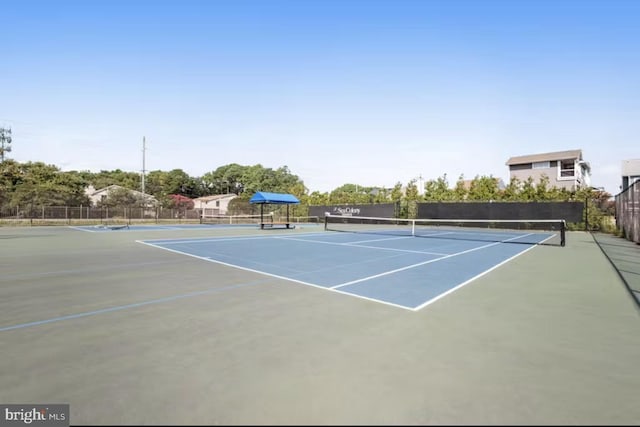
[[262, 197], [499, 182], [215, 197], [92, 192], [543, 157]]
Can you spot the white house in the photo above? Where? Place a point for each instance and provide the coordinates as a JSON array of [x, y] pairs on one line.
[[217, 204]]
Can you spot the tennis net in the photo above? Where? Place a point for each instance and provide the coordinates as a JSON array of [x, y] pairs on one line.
[[306, 219], [531, 232], [237, 219]]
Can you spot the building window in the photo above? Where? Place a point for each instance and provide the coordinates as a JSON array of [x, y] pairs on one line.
[[567, 169], [541, 165], [217, 203]]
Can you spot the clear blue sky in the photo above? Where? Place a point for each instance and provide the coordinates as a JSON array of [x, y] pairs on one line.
[[364, 92]]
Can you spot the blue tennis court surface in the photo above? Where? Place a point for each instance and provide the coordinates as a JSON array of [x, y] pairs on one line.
[[403, 271]]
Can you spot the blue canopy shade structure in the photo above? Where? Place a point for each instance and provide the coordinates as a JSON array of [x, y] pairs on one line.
[[263, 198], [274, 198]]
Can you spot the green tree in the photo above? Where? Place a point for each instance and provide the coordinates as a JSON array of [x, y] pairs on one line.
[[178, 182], [317, 198], [238, 179], [558, 194], [484, 188], [412, 196], [102, 179], [528, 191], [73, 187], [542, 189], [340, 196], [121, 197], [380, 195], [156, 184], [512, 192], [396, 193], [10, 177], [40, 184], [258, 178], [300, 191], [438, 190], [354, 194], [460, 192]]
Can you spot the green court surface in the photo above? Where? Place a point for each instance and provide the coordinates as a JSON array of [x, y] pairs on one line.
[[128, 334], [624, 255]]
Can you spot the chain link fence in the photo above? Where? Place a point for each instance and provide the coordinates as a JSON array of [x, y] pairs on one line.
[[90, 215], [628, 212]]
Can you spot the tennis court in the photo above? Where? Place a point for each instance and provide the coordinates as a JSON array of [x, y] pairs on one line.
[[234, 325], [392, 268]]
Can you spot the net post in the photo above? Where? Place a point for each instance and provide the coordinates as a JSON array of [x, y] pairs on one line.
[[563, 228], [413, 228], [326, 221]]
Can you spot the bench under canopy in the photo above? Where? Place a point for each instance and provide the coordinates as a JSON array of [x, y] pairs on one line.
[[264, 198]]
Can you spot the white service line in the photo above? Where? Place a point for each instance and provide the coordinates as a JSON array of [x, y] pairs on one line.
[[379, 240], [351, 245], [174, 241], [424, 263]]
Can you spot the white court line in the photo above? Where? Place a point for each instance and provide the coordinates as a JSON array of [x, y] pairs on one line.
[[334, 289], [475, 233], [379, 240], [222, 238], [326, 288], [82, 229], [375, 276], [426, 303], [362, 246]]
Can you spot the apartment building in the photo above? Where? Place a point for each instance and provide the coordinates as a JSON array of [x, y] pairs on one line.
[[630, 172], [565, 169]]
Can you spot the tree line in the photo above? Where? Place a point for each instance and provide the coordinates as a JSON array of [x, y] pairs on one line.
[[39, 184]]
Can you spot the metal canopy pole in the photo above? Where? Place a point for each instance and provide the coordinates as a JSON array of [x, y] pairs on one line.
[[287, 215], [261, 216]]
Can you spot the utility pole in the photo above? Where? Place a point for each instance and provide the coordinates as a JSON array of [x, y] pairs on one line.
[[5, 142], [144, 148]]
